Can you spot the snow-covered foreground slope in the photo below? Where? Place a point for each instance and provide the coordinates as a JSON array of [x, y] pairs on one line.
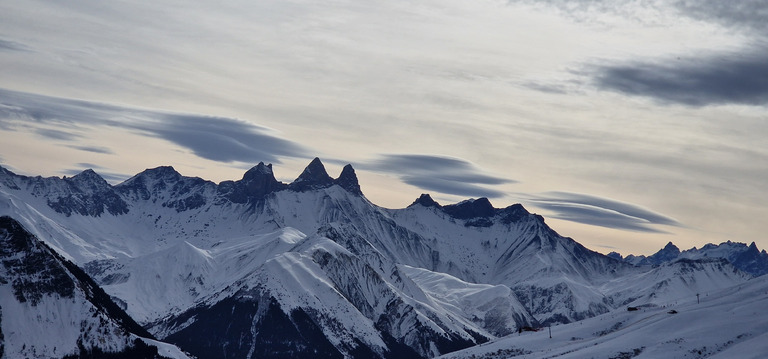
[[729, 323], [257, 267], [51, 309]]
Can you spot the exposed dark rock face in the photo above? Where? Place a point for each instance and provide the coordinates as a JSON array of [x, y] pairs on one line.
[[30, 266], [348, 180], [35, 271], [314, 176]]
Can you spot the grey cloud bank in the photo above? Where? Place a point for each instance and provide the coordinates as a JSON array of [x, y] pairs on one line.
[[214, 138], [711, 79], [602, 212], [439, 173]]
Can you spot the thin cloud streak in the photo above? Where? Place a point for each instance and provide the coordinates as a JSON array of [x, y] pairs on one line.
[[215, 138], [8, 45], [603, 212], [447, 175], [93, 149], [713, 79]]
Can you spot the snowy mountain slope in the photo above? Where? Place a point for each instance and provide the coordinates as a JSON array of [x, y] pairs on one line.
[[51, 309], [670, 282], [728, 323], [333, 292], [186, 255], [493, 307], [554, 277]]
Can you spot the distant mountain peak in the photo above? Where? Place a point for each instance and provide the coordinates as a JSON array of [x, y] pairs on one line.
[[89, 180], [314, 171], [426, 201], [88, 173], [668, 253], [163, 173], [260, 181], [314, 176], [348, 180], [671, 247], [259, 169]]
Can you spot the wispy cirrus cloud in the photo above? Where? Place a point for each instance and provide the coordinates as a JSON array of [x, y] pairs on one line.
[[93, 149], [9, 45], [603, 212]]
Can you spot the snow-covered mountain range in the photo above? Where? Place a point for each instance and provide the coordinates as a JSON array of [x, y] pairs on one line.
[[746, 258], [260, 268]]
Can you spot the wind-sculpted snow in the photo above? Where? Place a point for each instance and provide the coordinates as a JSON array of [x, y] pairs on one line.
[[317, 265]]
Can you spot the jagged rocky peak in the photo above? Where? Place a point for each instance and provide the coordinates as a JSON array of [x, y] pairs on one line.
[[88, 175], [471, 208], [259, 170], [89, 180], [426, 201], [145, 179], [260, 181], [149, 182], [30, 266], [515, 213], [314, 175], [670, 249], [348, 180], [666, 254], [7, 178]]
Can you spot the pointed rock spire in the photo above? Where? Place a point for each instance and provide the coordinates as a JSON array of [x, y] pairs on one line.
[[670, 247], [313, 177], [348, 180], [314, 172]]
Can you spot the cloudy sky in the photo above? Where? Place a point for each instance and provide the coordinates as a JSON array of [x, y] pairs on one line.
[[627, 124]]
